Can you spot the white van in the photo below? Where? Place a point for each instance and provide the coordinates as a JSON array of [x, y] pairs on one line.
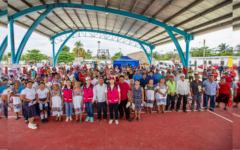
[[165, 64]]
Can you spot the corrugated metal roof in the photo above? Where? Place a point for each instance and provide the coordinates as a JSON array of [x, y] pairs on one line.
[[194, 16]]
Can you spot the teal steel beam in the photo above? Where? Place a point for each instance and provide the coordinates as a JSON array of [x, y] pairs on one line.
[[101, 9], [60, 49], [30, 30], [175, 41], [151, 55], [3, 47], [12, 41], [103, 32], [3, 13], [53, 49], [145, 51]]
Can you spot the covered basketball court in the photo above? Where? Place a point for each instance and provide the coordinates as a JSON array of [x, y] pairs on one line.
[[140, 23]]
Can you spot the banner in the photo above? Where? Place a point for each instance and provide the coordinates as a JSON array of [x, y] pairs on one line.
[[230, 63], [39, 65], [15, 66]]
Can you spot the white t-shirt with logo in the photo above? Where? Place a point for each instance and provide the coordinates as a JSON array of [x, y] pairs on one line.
[[42, 94]]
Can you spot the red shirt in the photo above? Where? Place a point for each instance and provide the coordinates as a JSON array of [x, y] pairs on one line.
[[215, 75], [184, 70], [81, 77], [238, 90], [124, 87], [117, 79], [224, 88]]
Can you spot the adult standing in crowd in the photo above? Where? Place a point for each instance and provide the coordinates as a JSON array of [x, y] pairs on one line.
[[211, 91], [100, 99], [176, 76], [67, 97], [125, 92], [113, 99], [76, 74], [171, 92], [196, 88], [225, 92], [221, 69], [190, 74], [157, 76], [137, 76], [182, 92], [204, 75]]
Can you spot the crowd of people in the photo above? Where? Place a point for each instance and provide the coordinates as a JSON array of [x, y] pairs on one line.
[[52, 91]]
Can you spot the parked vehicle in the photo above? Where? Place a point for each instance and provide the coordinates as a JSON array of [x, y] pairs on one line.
[[215, 66], [165, 64], [235, 66], [178, 64], [201, 66]]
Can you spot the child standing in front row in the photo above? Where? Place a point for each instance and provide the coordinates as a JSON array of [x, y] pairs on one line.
[[150, 95], [56, 102], [161, 95], [77, 102]]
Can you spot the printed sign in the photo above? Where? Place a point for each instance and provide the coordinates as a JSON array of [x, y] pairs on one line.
[[39, 65], [15, 66]]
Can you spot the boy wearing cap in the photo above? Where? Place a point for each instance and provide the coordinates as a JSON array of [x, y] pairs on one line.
[[113, 99], [89, 91]]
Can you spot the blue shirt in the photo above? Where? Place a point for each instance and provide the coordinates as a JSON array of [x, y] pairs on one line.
[[234, 86], [2, 88], [143, 82], [149, 77], [76, 74], [210, 88], [21, 87], [238, 69], [136, 76], [157, 77]]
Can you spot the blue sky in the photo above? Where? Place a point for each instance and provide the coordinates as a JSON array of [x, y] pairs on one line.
[[37, 41]]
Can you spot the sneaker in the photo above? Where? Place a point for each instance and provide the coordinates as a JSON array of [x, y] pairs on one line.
[[199, 110], [87, 119], [120, 117], [128, 120], [91, 119], [32, 126], [158, 111], [75, 121], [217, 106], [60, 120], [110, 121], [192, 109], [146, 112], [46, 121], [56, 120], [167, 109], [151, 112], [185, 111], [205, 108], [135, 118], [105, 120], [212, 109], [16, 118], [80, 121], [97, 120], [163, 112], [43, 121], [139, 119], [226, 109], [172, 109], [177, 110], [116, 121]]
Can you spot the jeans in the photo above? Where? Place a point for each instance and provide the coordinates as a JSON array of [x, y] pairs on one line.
[[198, 99], [184, 97], [203, 79], [42, 75], [220, 73], [190, 78], [123, 105], [172, 99], [115, 106], [68, 109], [212, 101], [101, 105], [89, 107]]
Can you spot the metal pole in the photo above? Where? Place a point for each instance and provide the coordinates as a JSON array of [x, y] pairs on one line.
[[204, 54]]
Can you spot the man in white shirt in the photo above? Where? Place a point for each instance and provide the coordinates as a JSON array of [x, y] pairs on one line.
[[182, 92], [100, 99], [176, 76], [18, 72], [126, 79], [157, 67]]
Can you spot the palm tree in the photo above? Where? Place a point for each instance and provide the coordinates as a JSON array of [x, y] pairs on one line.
[[79, 51], [223, 47]]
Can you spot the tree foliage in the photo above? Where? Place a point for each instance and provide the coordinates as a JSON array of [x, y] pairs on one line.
[[79, 50], [65, 57], [35, 55], [5, 58], [66, 48], [117, 55]]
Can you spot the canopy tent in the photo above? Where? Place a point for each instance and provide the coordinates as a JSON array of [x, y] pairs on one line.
[[125, 61]]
